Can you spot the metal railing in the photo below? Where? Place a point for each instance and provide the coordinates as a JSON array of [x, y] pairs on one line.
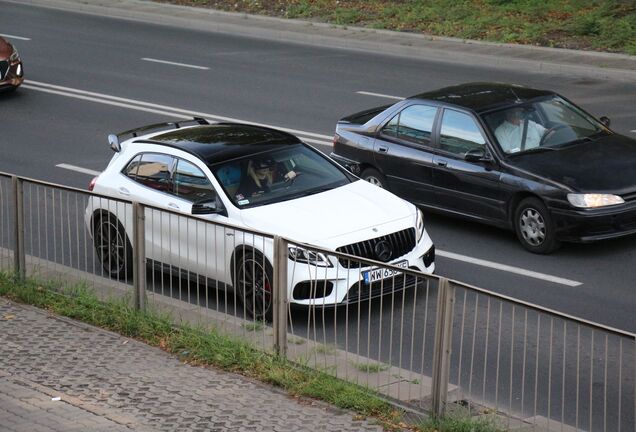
[[422, 341]]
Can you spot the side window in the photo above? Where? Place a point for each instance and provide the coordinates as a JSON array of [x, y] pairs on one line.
[[154, 171], [416, 123], [131, 169], [391, 127], [459, 133], [190, 183]]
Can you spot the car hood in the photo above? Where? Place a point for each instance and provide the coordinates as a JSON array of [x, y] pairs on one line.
[[5, 49], [607, 164], [343, 215]]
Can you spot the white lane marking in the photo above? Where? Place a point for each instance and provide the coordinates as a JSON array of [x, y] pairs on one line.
[[78, 169], [380, 95], [15, 37], [155, 108], [175, 63], [510, 269], [633, 131]]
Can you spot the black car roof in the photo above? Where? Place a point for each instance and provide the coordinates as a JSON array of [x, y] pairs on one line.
[[482, 97], [225, 141]]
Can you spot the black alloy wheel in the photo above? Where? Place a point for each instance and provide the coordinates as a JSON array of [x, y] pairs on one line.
[[534, 227], [374, 177], [254, 285], [113, 248]]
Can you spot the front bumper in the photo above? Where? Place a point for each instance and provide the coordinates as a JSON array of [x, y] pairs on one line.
[[12, 76], [595, 224], [331, 286]]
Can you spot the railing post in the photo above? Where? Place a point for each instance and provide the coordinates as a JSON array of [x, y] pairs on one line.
[[139, 255], [442, 348], [280, 295], [19, 254]]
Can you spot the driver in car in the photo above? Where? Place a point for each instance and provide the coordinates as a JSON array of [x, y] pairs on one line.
[[260, 177], [510, 133]]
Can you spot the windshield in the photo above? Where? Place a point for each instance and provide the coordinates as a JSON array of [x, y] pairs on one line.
[[278, 175], [548, 123]]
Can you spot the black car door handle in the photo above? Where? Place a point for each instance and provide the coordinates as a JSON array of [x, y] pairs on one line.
[[441, 163], [382, 149]]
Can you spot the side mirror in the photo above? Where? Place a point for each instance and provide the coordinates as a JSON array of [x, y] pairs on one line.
[[206, 206], [606, 121], [114, 143], [476, 155]]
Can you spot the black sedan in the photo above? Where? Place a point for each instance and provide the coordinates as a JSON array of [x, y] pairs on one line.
[[505, 155]]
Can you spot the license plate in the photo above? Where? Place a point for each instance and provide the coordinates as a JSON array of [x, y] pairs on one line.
[[383, 273]]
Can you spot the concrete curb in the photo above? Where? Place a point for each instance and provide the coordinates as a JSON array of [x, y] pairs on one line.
[[448, 50]]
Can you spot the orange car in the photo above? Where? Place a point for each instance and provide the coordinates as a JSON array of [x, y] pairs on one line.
[[11, 72]]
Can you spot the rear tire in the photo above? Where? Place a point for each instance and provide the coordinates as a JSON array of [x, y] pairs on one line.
[[254, 277], [534, 227], [374, 177], [113, 248]]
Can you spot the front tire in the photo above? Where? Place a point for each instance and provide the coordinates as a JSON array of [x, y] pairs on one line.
[[113, 248], [534, 227], [374, 177], [254, 277]]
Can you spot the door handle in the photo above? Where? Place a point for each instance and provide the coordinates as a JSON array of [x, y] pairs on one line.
[[124, 191], [383, 149], [173, 206], [441, 163]]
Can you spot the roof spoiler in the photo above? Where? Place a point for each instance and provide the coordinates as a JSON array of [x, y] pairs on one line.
[[114, 140]]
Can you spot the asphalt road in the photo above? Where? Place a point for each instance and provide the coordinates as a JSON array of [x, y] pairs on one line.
[[284, 85]]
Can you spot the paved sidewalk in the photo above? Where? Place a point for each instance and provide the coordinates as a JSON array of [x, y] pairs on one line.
[[506, 56], [107, 382]]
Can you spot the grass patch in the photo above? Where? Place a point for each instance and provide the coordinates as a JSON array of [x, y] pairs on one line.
[[254, 326], [326, 349], [608, 25], [371, 367], [460, 420]]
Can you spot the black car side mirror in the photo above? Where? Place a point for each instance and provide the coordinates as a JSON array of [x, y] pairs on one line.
[[477, 155], [207, 206], [606, 121]]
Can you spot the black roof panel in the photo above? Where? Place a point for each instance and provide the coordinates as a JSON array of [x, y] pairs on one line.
[[481, 97], [224, 141]]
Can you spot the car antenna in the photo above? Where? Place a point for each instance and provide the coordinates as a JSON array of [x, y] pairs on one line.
[[516, 96]]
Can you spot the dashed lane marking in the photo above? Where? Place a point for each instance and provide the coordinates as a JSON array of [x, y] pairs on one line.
[[380, 95], [15, 37], [185, 65], [78, 169], [509, 269]]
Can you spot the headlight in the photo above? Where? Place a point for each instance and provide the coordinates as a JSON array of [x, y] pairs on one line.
[[15, 56], [419, 225], [310, 257], [594, 200]]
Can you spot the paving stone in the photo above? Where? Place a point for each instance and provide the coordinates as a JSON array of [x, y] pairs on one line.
[[101, 379]]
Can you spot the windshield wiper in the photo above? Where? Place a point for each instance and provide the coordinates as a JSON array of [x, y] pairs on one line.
[[311, 192]]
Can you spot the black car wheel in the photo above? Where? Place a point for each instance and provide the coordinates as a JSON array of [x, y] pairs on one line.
[[534, 227], [374, 177], [254, 285], [113, 248]]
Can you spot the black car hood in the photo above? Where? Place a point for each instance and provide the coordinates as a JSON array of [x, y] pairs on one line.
[[607, 164]]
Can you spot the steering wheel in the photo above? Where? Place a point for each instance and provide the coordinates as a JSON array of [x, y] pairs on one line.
[[549, 132], [290, 181]]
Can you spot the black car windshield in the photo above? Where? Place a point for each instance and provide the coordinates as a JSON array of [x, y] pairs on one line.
[[278, 175], [550, 123]]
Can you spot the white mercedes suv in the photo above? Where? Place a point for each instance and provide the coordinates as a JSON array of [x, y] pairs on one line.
[[250, 178]]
